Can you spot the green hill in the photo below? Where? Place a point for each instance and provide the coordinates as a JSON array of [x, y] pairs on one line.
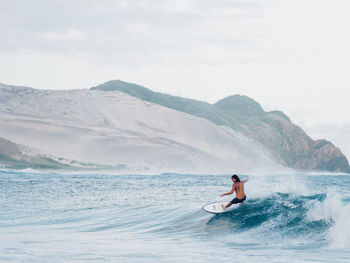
[[288, 143]]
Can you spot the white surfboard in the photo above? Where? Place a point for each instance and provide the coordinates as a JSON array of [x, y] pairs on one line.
[[216, 208]]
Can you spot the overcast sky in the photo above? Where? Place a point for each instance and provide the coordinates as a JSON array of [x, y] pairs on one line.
[[289, 55]]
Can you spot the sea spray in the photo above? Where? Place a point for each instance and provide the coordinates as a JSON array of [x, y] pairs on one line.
[[339, 233]]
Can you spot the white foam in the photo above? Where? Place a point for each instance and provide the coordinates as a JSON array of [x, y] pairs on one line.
[[264, 185], [339, 233], [332, 210], [323, 210]]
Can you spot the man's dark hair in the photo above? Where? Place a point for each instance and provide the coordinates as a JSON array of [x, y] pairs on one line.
[[235, 177]]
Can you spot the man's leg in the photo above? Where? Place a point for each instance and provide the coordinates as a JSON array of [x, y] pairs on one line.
[[226, 206]]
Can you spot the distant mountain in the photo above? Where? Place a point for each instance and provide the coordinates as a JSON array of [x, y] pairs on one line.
[[113, 130], [287, 143], [18, 156], [129, 128]]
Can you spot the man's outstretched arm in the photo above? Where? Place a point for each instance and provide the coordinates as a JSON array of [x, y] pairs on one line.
[[231, 192]]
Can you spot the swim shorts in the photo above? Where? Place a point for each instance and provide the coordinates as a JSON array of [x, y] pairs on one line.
[[237, 201]]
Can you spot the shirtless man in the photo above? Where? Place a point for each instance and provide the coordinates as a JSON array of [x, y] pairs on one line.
[[237, 186]]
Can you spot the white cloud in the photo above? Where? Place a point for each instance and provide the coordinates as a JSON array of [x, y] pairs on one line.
[[70, 34]]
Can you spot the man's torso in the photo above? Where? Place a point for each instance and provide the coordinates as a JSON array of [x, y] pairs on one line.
[[240, 190]]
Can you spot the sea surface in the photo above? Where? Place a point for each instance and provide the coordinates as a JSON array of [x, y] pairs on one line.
[[100, 217]]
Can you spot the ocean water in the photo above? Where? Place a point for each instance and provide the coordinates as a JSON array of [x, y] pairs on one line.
[[62, 217]]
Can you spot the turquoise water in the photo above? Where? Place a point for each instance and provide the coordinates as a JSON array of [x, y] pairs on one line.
[[60, 217]]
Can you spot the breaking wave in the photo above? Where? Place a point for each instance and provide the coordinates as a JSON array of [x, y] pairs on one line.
[[124, 217]]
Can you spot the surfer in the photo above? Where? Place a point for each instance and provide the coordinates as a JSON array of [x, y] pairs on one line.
[[237, 186]]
